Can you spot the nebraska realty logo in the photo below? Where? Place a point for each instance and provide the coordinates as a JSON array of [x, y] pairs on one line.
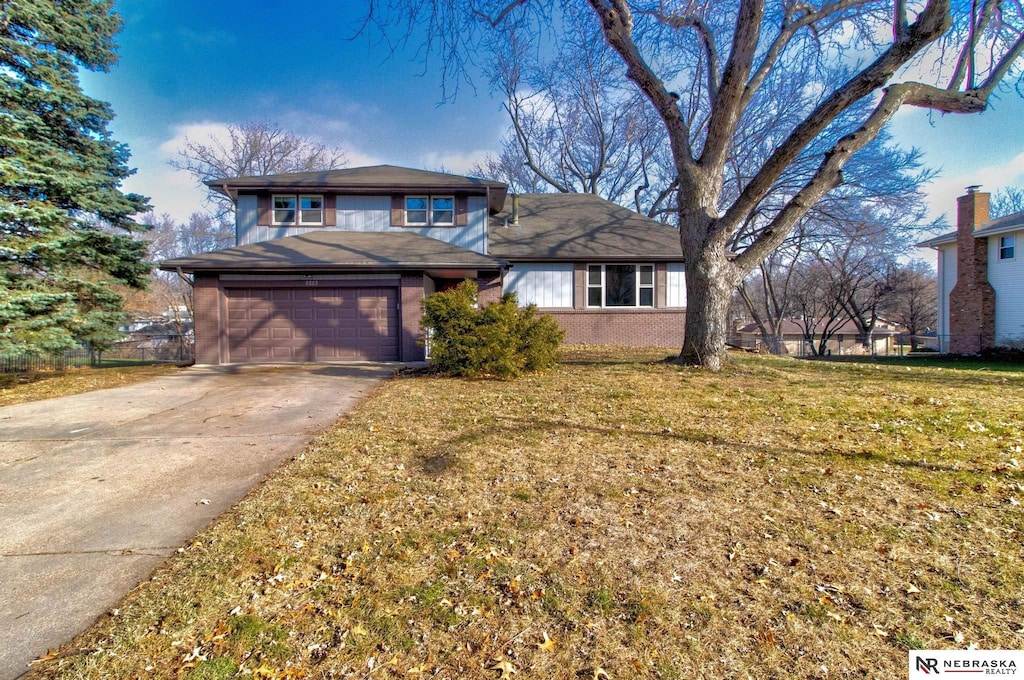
[[966, 663]]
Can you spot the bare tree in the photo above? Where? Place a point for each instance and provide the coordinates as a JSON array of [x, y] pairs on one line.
[[818, 302], [253, 149], [168, 239], [861, 263], [768, 294], [201, 233], [577, 125], [509, 167], [1007, 202], [914, 299], [704, 66]]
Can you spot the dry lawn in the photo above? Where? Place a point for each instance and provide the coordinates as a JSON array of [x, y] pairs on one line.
[[17, 388], [615, 518]]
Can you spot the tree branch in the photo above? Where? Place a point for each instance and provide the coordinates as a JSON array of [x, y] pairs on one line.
[[726, 107], [617, 26], [790, 27], [930, 25], [828, 176], [501, 15], [524, 144], [707, 38]]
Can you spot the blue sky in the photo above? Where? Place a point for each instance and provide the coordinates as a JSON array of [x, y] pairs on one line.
[[188, 68]]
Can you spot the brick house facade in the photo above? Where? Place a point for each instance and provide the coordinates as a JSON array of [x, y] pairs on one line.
[[981, 279], [335, 266]]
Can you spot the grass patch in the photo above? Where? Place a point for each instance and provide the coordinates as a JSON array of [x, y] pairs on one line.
[[18, 388], [617, 513]]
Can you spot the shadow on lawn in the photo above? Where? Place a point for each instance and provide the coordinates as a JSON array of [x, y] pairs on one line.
[[575, 356], [445, 456], [972, 364]]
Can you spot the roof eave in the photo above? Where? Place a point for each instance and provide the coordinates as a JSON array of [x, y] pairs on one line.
[[231, 187], [937, 241], [172, 265], [592, 258]]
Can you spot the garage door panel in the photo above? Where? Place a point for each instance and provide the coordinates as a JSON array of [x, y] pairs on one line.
[[286, 334], [322, 324]]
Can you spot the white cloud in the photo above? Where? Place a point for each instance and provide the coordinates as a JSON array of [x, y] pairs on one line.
[[175, 191], [170, 191], [203, 132], [459, 163], [942, 192], [358, 159]]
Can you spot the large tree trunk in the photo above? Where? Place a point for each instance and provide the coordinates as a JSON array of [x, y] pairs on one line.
[[710, 281]]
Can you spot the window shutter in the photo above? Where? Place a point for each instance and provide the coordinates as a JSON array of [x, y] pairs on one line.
[[461, 211], [398, 211], [263, 210], [330, 210]]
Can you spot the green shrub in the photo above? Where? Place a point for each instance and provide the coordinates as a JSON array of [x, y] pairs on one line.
[[499, 339]]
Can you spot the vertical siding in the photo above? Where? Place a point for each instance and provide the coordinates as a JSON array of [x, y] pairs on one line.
[[1007, 278], [473, 236], [363, 213], [246, 214], [545, 285], [947, 279], [676, 285], [373, 213]]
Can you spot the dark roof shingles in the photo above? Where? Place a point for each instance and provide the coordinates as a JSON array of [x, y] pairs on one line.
[[579, 227], [339, 249]]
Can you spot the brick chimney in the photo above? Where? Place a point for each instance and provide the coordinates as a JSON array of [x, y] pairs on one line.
[[972, 302]]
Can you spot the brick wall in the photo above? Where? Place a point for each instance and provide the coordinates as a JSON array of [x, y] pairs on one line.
[[488, 290], [412, 348], [633, 328], [206, 302], [972, 301]]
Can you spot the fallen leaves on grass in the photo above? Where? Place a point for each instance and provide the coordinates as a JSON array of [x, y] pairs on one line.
[[506, 669], [665, 521], [18, 388]]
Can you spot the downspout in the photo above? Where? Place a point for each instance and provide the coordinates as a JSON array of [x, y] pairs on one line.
[[181, 275], [487, 219], [191, 313]]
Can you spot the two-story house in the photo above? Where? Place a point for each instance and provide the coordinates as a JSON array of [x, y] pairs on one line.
[[335, 265], [981, 279]]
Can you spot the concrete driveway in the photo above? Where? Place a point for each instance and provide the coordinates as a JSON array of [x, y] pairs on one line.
[[97, 489]]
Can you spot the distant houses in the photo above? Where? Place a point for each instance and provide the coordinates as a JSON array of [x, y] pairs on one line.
[[797, 338]]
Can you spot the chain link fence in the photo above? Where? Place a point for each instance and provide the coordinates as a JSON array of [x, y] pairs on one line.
[[150, 349]]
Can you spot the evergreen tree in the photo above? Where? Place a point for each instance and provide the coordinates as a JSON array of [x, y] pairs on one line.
[[65, 232]]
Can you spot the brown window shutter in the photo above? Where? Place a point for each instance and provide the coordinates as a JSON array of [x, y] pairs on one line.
[[661, 285], [398, 211], [461, 211], [330, 210], [263, 211]]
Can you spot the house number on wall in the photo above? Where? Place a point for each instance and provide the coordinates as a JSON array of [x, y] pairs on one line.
[[312, 282]]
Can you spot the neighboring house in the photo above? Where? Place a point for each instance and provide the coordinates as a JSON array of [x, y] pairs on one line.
[[334, 265], [981, 279], [846, 339]]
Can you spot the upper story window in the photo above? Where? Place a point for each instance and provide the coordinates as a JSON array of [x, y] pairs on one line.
[[309, 210], [430, 211], [1006, 244], [620, 285], [442, 210]]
